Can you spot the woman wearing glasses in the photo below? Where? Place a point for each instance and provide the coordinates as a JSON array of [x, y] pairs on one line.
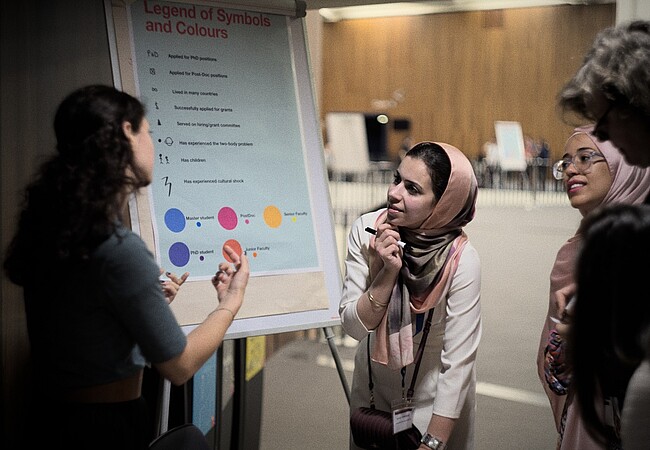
[[594, 173]]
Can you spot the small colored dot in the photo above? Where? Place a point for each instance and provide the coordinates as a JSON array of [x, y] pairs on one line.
[[254, 254], [293, 219], [201, 258], [247, 221], [198, 224]]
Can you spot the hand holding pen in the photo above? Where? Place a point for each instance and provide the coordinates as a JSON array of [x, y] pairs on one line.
[[372, 231], [388, 245]]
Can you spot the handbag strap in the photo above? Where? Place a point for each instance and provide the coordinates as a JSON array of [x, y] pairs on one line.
[[418, 356], [418, 359], [370, 383]]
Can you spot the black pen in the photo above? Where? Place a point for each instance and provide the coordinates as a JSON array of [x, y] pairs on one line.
[[374, 232]]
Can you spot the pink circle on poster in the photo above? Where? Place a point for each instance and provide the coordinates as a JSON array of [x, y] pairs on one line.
[[227, 218]]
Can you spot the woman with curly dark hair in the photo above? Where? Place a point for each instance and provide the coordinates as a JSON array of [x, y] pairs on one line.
[[96, 308]]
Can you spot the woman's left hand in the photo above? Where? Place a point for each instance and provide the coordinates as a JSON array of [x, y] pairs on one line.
[[172, 285], [562, 297]]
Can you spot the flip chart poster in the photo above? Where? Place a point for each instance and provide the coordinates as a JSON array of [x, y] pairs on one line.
[[510, 142], [229, 159]]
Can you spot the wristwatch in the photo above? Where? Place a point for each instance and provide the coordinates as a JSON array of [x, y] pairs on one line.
[[432, 442]]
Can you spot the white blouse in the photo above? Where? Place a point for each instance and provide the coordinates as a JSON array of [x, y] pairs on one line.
[[446, 382]]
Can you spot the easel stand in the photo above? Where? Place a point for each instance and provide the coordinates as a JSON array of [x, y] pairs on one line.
[[164, 392], [337, 360], [162, 418]]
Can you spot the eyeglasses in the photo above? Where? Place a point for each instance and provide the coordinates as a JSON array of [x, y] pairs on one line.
[[582, 161]]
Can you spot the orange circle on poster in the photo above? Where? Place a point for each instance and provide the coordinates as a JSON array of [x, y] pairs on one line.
[[236, 246]]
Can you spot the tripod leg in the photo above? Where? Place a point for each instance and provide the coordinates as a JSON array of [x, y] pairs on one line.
[[337, 360], [162, 416]]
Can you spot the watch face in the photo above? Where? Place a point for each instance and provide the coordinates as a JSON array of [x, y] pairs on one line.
[[431, 442]]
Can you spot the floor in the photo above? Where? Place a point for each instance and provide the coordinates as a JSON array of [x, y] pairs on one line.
[[304, 399]]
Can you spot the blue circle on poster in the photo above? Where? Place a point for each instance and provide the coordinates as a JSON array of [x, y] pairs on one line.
[[175, 220], [179, 254]]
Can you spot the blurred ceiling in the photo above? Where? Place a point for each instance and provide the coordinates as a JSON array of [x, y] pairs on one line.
[[335, 10], [315, 4], [455, 5]]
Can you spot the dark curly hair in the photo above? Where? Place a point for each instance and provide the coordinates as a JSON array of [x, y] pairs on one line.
[[78, 195]]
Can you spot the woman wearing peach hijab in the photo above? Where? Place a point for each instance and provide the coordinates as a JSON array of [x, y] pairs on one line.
[[594, 174], [388, 288]]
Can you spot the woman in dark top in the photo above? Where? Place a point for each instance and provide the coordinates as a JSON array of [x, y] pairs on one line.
[[96, 308]]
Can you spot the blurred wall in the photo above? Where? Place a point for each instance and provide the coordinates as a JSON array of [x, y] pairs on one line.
[[632, 9], [454, 74]]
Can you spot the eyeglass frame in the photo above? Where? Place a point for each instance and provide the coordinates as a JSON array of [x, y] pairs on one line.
[[559, 174]]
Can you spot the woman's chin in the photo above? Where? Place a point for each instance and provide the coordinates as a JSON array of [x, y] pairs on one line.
[[393, 220]]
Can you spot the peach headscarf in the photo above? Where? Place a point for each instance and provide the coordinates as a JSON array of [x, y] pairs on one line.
[[430, 264], [630, 184]]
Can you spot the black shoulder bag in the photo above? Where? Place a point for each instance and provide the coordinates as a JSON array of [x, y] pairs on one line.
[[372, 428]]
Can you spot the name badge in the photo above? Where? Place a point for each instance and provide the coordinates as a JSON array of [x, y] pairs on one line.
[[402, 415]]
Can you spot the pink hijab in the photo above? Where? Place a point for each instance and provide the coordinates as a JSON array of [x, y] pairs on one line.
[[630, 184], [429, 265]]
